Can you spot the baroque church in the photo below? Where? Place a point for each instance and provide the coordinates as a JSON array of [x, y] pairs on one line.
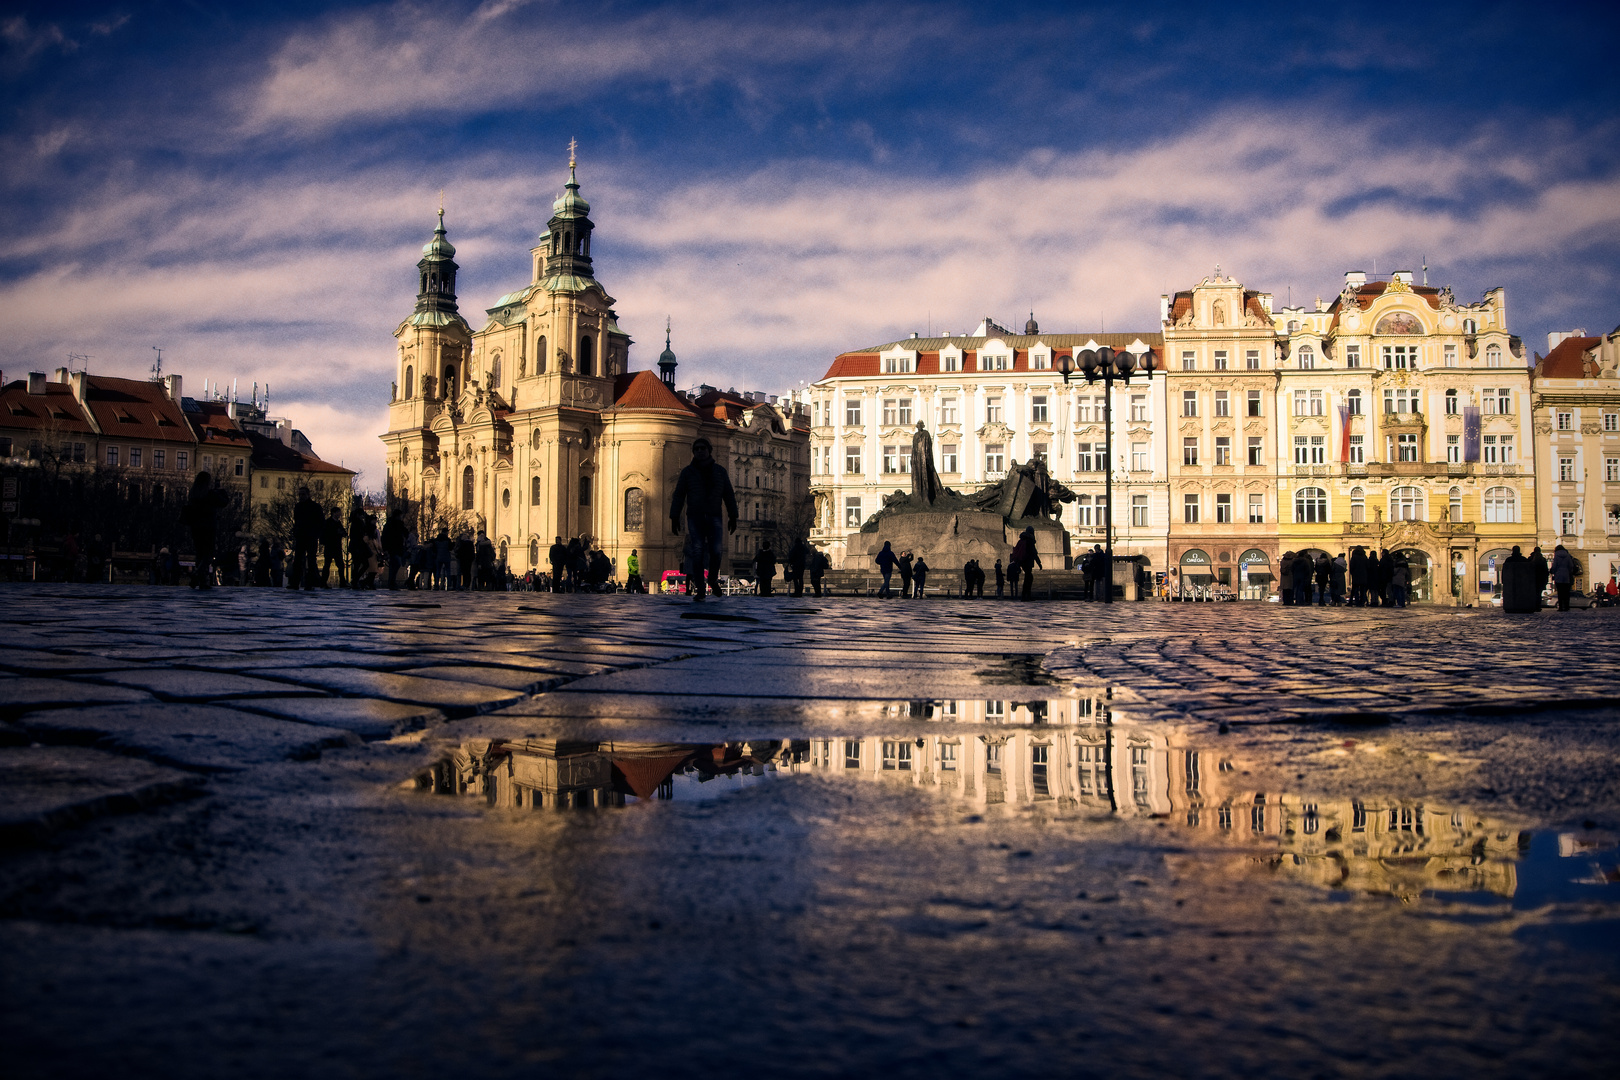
[[534, 426]]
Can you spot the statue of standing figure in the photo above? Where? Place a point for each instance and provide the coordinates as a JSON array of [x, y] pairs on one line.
[[925, 486]]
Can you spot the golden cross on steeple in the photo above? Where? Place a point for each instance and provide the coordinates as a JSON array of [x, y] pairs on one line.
[[573, 146]]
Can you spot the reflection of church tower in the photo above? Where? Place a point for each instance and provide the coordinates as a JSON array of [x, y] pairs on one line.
[[666, 359]]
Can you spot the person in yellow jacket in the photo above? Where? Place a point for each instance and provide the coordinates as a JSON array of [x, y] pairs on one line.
[[632, 566]]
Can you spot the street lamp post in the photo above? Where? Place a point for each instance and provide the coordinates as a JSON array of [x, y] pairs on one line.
[[1108, 365]]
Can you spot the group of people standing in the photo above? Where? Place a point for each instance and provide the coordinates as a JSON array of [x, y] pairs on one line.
[[1374, 579], [578, 567], [913, 572]]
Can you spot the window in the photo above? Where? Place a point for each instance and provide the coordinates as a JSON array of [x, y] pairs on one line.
[[1454, 503], [1220, 360], [1040, 362], [891, 460], [1254, 403], [1257, 509], [1565, 420], [1451, 403], [1454, 449], [852, 512], [1504, 401], [1308, 403], [1306, 358], [1406, 504], [134, 457], [1189, 360], [852, 754], [1223, 508], [1451, 356], [1139, 511], [1611, 469], [264, 481], [1038, 780], [1189, 509], [1352, 402], [995, 458], [952, 362], [1189, 451], [1302, 450], [1401, 401], [534, 491], [1358, 450], [1566, 520], [159, 459], [1251, 359], [1400, 357], [1352, 356], [1611, 421], [1358, 505], [947, 457], [281, 481], [1406, 447], [905, 458], [410, 381], [1139, 408], [208, 461], [896, 365], [1493, 356], [1256, 450], [1189, 403], [947, 410], [634, 511], [1083, 459], [1037, 409], [1223, 403], [992, 410], [587, 358], [1489, 450], [1082, 511], [1139, 457], [1036, 451], [1310, 506], [891, 411], [1566, 469], [182, 459], [1223, 450], [993, 363], [852, 460]]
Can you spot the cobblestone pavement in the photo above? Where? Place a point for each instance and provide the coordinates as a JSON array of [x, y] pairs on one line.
[[1323, 841]]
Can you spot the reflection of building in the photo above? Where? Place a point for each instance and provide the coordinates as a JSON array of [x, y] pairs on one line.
[[534, 426], [989, 398], [1577, 426]]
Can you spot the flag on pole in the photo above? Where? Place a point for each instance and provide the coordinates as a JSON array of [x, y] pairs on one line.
[[1470, 433], [1344, 433]]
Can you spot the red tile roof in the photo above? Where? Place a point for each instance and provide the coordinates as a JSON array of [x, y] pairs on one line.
[[1568, 360], [214, 427], [854, 364], [135, 409], [275, 455], [54, 410], [645, 390]]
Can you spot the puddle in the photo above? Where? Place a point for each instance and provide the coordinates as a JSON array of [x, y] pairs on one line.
[[1077, 771]]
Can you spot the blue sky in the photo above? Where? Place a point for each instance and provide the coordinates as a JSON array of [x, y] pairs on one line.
[[249, 186]]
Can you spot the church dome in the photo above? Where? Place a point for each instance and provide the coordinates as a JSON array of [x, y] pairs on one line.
[[440, 245]]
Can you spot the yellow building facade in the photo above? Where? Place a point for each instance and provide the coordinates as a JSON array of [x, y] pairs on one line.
[[1577, 432]]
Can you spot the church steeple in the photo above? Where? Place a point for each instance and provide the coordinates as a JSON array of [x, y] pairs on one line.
[[666, 359], [437, 273], [569, 229]]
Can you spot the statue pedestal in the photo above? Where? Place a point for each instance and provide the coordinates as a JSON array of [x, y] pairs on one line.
[[949, 538]]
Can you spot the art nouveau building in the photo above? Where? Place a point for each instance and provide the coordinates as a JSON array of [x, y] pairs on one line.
[[989, 399], [533, 426], [1577, 431]]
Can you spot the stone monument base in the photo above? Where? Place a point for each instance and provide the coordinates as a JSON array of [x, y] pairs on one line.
[[949, 538]]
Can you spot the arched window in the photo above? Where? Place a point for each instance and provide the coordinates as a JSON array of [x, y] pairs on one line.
[[449, 381], [1454, 499], [1352, 401], [534, 439], [1310, 506], [1493, 356], [1451, 403], [1358, 505], [587, 355], [540, 355], [1306, 357], [495, 372], [1406, 504], [1501, 506], [534, 491], [534, 553], [633, 510], [410, 381], [503, 553], [584, 491], [467, 488], [433, 504]]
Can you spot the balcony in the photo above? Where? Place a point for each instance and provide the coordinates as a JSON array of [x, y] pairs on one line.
[[1313, 470], [1500, 470], [1403, 419]]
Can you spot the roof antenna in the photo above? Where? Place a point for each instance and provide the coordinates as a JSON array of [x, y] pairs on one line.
[[84, 361], [1425, 269], [157, 368]]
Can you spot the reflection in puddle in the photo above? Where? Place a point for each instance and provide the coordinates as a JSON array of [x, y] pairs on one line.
[[1075, 759]]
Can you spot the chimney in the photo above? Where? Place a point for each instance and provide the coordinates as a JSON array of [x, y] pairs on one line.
[[284, 432], [1164, 307], [61, 375], [172, 383], [78, 380], [36, 382], [1355, 277], [230, 409], [1557, 337]]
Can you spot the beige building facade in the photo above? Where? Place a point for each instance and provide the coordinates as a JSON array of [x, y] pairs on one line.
[[1577, 438]]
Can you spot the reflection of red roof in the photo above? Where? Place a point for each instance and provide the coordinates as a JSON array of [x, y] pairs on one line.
[[645, 390], [643, 775], [1568, 359]]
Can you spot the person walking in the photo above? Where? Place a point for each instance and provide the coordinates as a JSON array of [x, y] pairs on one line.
[[704, 491], [332, 536], [576, 563], [919, 577], [393, 545], [1336, 575], [905, 574], [202, 508], [798, 554], [1102, 574], [1375, 574], [1024, 560], [466, 552], [819, 564], [484, 562], [632, 569], [308, 524], [1302, 579], [1563, 575], [1001, 580], [1358, 576], [886, 561], [765, 568], [1539, 571], [1400, 579], [1324, 574], [558, 557]]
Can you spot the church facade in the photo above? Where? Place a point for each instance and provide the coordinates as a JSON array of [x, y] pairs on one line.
[[533, 426]]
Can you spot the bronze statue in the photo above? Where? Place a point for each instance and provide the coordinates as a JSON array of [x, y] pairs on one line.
[[925, 487]]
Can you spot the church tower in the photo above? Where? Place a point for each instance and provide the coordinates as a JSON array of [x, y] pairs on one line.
[[666, 359]]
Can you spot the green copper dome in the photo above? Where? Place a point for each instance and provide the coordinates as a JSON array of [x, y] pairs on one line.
[[572, 204], [439, 246]]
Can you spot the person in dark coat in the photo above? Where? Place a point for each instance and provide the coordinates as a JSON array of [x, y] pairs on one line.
[[466, 553], [263, 573], [308, 524], [886, 561], [1563, 575], [1375, 573], [1322, 574], [332, 537], [1302, 578], [1001, 580], [1517, 581], [1358, 576], [205, 503], [819, 564], [765, 568], [1336, 574], [704, 491], [1024, 560], [1400, 579], [919, 577], [393, 545], [558, 557], [1539, 571], [1285, 578], [798, 555], [904, 566]]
